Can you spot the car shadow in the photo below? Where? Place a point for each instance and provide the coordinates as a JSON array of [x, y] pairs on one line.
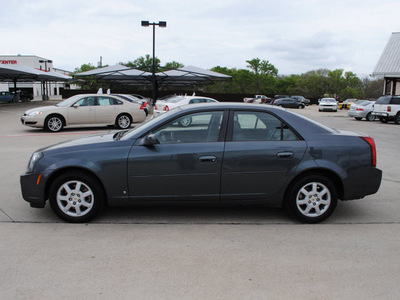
[[181, 214]]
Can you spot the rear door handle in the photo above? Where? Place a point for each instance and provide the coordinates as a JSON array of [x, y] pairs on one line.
[[286, 154], [208, 158]]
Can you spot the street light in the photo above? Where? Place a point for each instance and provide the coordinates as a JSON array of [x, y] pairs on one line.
[[162, 24], [45, 95]]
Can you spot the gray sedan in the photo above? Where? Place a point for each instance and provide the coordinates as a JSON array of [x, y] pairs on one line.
[[230, 153], [362, 109]]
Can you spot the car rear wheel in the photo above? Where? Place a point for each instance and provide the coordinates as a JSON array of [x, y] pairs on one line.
[[76, 197], [311, 199], [397, 118], [383, 119], [54, 123], [123, 121], [370, 117]]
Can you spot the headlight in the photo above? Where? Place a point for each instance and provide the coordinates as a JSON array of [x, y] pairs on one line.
[[33, 161], [34, 113]]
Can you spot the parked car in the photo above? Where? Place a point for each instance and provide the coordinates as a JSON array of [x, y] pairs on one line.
[[327, 104], [301, 99], [259, 99], [346, 103], [8, 97], [85, 109], [24, 96], [387, 108], [143, 103], [362, 109], [162, 106], [231, 153], [288, 103]]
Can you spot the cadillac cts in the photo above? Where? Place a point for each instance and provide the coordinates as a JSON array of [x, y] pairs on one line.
[[230, 153]]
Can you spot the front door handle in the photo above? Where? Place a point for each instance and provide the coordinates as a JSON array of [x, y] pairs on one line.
[[286, 154], [208, 158]]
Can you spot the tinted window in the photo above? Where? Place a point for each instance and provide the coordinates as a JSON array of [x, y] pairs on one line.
[[396, 100], [87, 101], [193, 128], [383, 100], [259, 126]]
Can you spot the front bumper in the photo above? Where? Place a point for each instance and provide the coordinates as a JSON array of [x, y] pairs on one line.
[[32, 121], [33, 189], [328, 108]]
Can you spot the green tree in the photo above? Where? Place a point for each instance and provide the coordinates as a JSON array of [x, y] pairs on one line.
[[144, 63], [87, 83], [173, 65], [261, 69]]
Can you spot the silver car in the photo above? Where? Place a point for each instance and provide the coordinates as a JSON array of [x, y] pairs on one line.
[[328, 104], [361, 110]]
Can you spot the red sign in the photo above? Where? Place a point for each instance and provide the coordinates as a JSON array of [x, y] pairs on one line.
[[8, 62]]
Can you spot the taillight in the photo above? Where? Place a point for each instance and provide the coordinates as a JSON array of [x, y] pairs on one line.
[[389, 109], [141, 107], [360, 109], [155, 107], [166, 108], [371, 143]]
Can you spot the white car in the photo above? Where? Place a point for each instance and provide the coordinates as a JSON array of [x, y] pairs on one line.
[[327, 104], [162, 106], [85, 109]]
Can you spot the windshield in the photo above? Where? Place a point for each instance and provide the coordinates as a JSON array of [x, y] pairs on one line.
[[145, 126], [328, 100], [69, 101], [174, 99]]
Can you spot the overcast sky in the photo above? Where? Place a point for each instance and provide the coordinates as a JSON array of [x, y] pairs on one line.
[[296, 36]]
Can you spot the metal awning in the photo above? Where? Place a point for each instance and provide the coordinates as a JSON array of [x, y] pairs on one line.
[[389, 62], [23, 73], [120, 74]]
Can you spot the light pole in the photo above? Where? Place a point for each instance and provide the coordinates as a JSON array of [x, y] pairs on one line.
[[45, 95], [162, 24]]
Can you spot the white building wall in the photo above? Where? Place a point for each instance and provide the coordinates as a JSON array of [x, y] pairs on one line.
[[32, 61]]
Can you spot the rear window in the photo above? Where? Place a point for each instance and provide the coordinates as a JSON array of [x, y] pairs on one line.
[[383, 100]]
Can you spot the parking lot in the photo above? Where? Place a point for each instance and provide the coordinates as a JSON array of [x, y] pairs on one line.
[[198, 252]]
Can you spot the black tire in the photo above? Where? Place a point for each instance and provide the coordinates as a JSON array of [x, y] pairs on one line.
[[123, 121], [383, 119], [54, 123], [76, 197], [357, 118], [397, 118], [300, 106], [370, 117], [311, 199], [185, 121]]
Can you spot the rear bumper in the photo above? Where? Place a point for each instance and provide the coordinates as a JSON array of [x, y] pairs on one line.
[[362, 183]]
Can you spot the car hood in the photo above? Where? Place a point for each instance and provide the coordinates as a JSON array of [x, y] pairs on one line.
[[43, 109], [100, 140]]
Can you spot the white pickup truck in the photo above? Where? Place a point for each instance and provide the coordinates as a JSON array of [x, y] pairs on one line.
[[387, 108], [258, 99]]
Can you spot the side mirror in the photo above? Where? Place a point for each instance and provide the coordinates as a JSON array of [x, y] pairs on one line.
[[76, 105], [150, 140]]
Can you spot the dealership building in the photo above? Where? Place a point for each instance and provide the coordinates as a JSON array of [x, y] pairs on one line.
[[37, 89]]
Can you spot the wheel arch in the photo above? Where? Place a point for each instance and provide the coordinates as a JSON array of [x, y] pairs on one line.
[[61, 171], [63, 119], [335, 178]]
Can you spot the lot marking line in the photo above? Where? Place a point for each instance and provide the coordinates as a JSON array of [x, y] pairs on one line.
[[49, 134]]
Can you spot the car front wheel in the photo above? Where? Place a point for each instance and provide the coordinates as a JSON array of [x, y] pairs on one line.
[[53, 123], [311, 199], [76, 197]]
